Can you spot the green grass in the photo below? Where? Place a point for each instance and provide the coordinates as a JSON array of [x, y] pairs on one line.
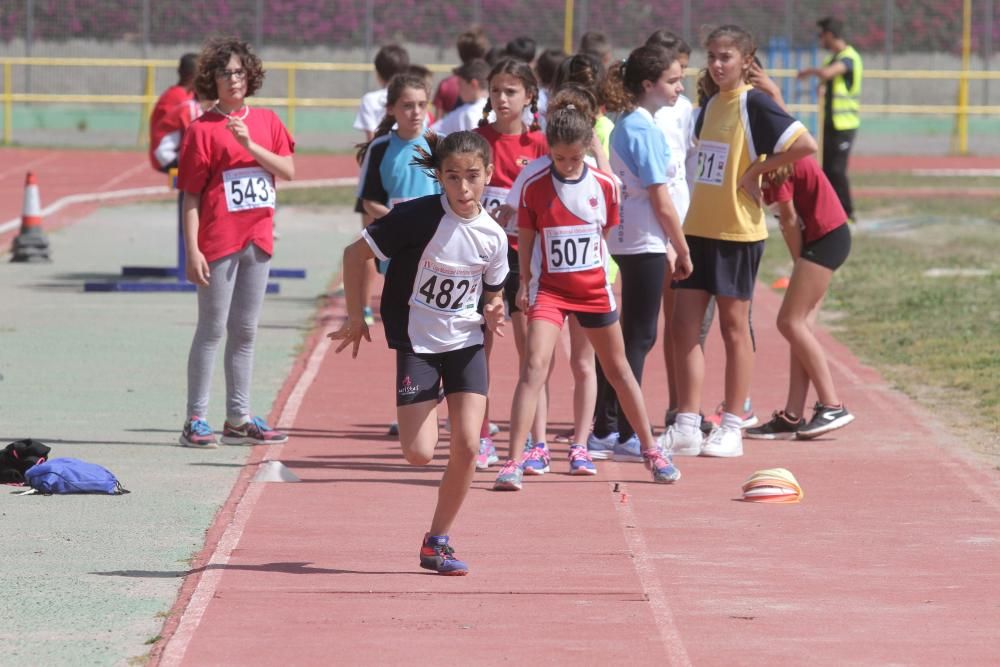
[[935, 338], [342, 196], [907, 180]]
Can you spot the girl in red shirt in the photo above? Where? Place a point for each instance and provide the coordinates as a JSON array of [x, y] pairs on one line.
[[815, 228], [565, 213], [228, 162], [513, 89]]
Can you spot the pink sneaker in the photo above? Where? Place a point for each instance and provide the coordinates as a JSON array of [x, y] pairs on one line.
[[254, 432]]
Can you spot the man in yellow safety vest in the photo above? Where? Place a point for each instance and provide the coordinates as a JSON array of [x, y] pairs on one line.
[[841, 77]]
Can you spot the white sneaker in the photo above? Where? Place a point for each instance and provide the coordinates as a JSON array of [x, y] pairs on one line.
[[677, 443], [724, 442]]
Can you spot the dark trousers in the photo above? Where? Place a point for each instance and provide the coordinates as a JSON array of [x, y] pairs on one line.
[[642, 294], [837, 146]]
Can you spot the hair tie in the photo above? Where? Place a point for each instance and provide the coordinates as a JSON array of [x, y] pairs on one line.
[[571, 107]]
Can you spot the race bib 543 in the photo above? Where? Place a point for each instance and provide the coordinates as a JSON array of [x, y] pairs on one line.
[[248, 188]]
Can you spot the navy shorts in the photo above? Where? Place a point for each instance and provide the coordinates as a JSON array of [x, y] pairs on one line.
[[830, 250], [723, 268], [420, 377]]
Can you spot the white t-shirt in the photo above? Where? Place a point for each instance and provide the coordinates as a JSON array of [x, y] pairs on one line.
[[372, 110], [465, 117], [677, 124]]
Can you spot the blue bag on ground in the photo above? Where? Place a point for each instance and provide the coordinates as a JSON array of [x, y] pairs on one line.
[[68, 475]]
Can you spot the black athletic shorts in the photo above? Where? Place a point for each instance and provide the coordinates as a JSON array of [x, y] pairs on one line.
[[723, 268], [830, 250], [419, 376]]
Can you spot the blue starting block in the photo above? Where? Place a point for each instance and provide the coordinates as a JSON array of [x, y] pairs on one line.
[[178, 273]]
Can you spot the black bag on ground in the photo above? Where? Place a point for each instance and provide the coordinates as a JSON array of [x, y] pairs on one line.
[[18, 456]]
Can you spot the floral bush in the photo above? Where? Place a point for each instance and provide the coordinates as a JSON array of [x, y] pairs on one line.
[[918, 25]]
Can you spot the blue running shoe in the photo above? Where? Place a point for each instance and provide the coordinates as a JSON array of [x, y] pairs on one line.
[[437, 555], [630, 450], [198, 434], [510, 477], [663, 469], [487, 454], [601, 448], [580, 462], [537, 462]]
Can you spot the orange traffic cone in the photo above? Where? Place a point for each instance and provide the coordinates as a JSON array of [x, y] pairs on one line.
[[31, 244], [781, 283]]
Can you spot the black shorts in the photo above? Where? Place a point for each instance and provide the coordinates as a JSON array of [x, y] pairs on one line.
[[830, 250], [596, 320], [513, 282], [419, 376], [723, 268]]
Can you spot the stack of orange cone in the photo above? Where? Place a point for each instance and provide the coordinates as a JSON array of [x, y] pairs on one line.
[[31, 244]]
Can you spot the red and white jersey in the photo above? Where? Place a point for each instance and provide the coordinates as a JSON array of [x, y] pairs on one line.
[[511, 154], [237, 194], [569, 260], [173, 125]]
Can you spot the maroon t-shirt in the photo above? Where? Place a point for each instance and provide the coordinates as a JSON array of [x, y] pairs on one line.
[[446, 97], [814, 199]]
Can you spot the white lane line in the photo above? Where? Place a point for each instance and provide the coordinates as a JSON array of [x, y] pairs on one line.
[[211, 575], [128, 173], [659, 604], [159, 190]]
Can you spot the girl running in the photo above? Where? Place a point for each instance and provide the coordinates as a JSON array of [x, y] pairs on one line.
[[446, 250], [564, 215], [814, 226], [742, 133], [649, 80], [512, 90], [228, 162]]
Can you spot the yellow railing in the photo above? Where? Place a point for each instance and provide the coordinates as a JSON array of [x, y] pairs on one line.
[[291, 101]]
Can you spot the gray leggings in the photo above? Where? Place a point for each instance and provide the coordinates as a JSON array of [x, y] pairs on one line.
[[231, 305]]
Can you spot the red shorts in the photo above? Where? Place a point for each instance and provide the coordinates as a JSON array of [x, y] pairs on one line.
[[553, 309]]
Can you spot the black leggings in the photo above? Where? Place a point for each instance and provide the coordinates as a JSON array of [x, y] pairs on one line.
[[642, 293], [837, 146]]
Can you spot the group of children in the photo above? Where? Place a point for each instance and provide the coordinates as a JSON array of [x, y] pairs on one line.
[[523, 201]]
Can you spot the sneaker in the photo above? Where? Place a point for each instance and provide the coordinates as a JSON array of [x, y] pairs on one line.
[[254, 432], [663, 469], [580, 462], [487, 454], [674, 442], [747, 418], [671, 418], [537, 462], [437, 555], [566, 436], [824, 420], [510, 477], [197, 433], [723, 443], [601, 448], [369, 316], [779, 428], [493, 428], [630, 450]]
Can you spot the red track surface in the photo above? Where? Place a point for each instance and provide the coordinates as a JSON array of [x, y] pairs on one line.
[[69, 172], [891, 558]]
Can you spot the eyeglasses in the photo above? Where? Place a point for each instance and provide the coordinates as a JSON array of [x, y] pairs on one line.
[[239, 74]]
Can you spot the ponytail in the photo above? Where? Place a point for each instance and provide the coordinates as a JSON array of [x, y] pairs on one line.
[[624, 81]]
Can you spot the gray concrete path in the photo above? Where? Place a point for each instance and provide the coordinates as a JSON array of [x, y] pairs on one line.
[[102, 377]]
